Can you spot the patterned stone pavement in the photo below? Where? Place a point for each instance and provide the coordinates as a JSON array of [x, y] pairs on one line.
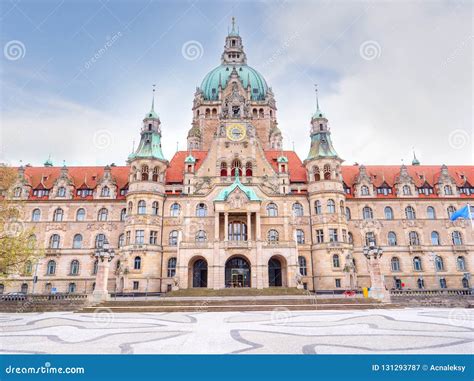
[[422, 330]]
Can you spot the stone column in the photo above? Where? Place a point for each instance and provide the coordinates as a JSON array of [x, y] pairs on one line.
[[249, 226], [257, 225], [101, 293], [226, 226], [216, 226]]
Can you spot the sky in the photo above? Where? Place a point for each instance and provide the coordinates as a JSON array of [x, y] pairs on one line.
[[76, 76]]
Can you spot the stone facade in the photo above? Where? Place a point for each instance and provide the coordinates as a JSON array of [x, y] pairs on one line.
[[236, 210]]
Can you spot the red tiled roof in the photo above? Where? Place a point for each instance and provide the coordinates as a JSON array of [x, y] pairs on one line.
[[295, 166], [175, 172]]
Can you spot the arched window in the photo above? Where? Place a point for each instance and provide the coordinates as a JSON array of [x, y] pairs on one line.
[[51, 268], [395, 264], [224, 169], [341, 208], [461, 263], [410, 213], [392, 239], [272, 210], [54, 241], [331, 206], [17, 192], [388, 211], [80, 214], [413, 238], [316, 174], [99, 241], [201, 236], [464, 282], [105, 192], [448, 191], [137, 263], [317, 207], [435, 239], [430, 213], [28, 268], [248, 169], [406, 190], [155, 208], [130, 207], [102, 215], [273, 236], [2, 288], [24, 288], [456, 237], [201, 210], [442, 283], [61, 192], [370, 239], [451, 209], [417, 265], [350, 238], [121, 240], [236, 168], [297, 209], [71, 288], [367, 213], [439, 263], [145, 173], [335, 261], [173, 238], [299, 236], [74, 268], [58, 215], [348, 214], [171, 267], [36, 215], [364, 190], [327, 172], [77, 241], [155, 174], [141, 207], [95, 267], [420, 283], [123, 214], [175, 210], [302, 265]]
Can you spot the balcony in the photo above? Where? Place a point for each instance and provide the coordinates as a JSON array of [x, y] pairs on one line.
[[459, 248], [236, 244], [416, 249]]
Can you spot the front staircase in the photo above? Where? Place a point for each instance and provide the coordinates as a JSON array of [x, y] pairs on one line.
[[238, 303]]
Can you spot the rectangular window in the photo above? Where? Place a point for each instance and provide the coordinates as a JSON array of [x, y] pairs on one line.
[[338, 283], [139, 237], [319, 236], [333, 235], [153, 237], [136, 284]]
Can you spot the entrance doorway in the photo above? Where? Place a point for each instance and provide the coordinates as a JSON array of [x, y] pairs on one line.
[[274, 273], [237, 272], [200, 273]]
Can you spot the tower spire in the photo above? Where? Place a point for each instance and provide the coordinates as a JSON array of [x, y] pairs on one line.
[[317, 96], [153, 99]]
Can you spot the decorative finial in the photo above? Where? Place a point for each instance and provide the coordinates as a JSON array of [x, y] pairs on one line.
[[415, 161], [153, 98], [317, 98]]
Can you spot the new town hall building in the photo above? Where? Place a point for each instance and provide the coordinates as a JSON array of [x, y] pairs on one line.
[[235, 210]]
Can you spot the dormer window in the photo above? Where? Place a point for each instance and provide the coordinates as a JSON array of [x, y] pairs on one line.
[[406, 190], [105, 192], [364, 190], [233, 42], [61, 192], [17, 192]]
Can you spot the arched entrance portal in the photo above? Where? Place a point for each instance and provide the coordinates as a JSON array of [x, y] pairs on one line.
[[274, 273], [200, 273], [237, 272]]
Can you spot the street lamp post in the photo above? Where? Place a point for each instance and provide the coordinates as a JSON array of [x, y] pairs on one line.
[[103, 255], [373, 254]]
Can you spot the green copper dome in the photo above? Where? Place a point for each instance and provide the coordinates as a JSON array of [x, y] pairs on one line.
[[210, 84]]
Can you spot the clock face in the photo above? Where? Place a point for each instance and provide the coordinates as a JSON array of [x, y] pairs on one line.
[[236, 132]]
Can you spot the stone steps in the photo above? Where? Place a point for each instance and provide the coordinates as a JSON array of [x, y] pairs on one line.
[[237, 304]]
